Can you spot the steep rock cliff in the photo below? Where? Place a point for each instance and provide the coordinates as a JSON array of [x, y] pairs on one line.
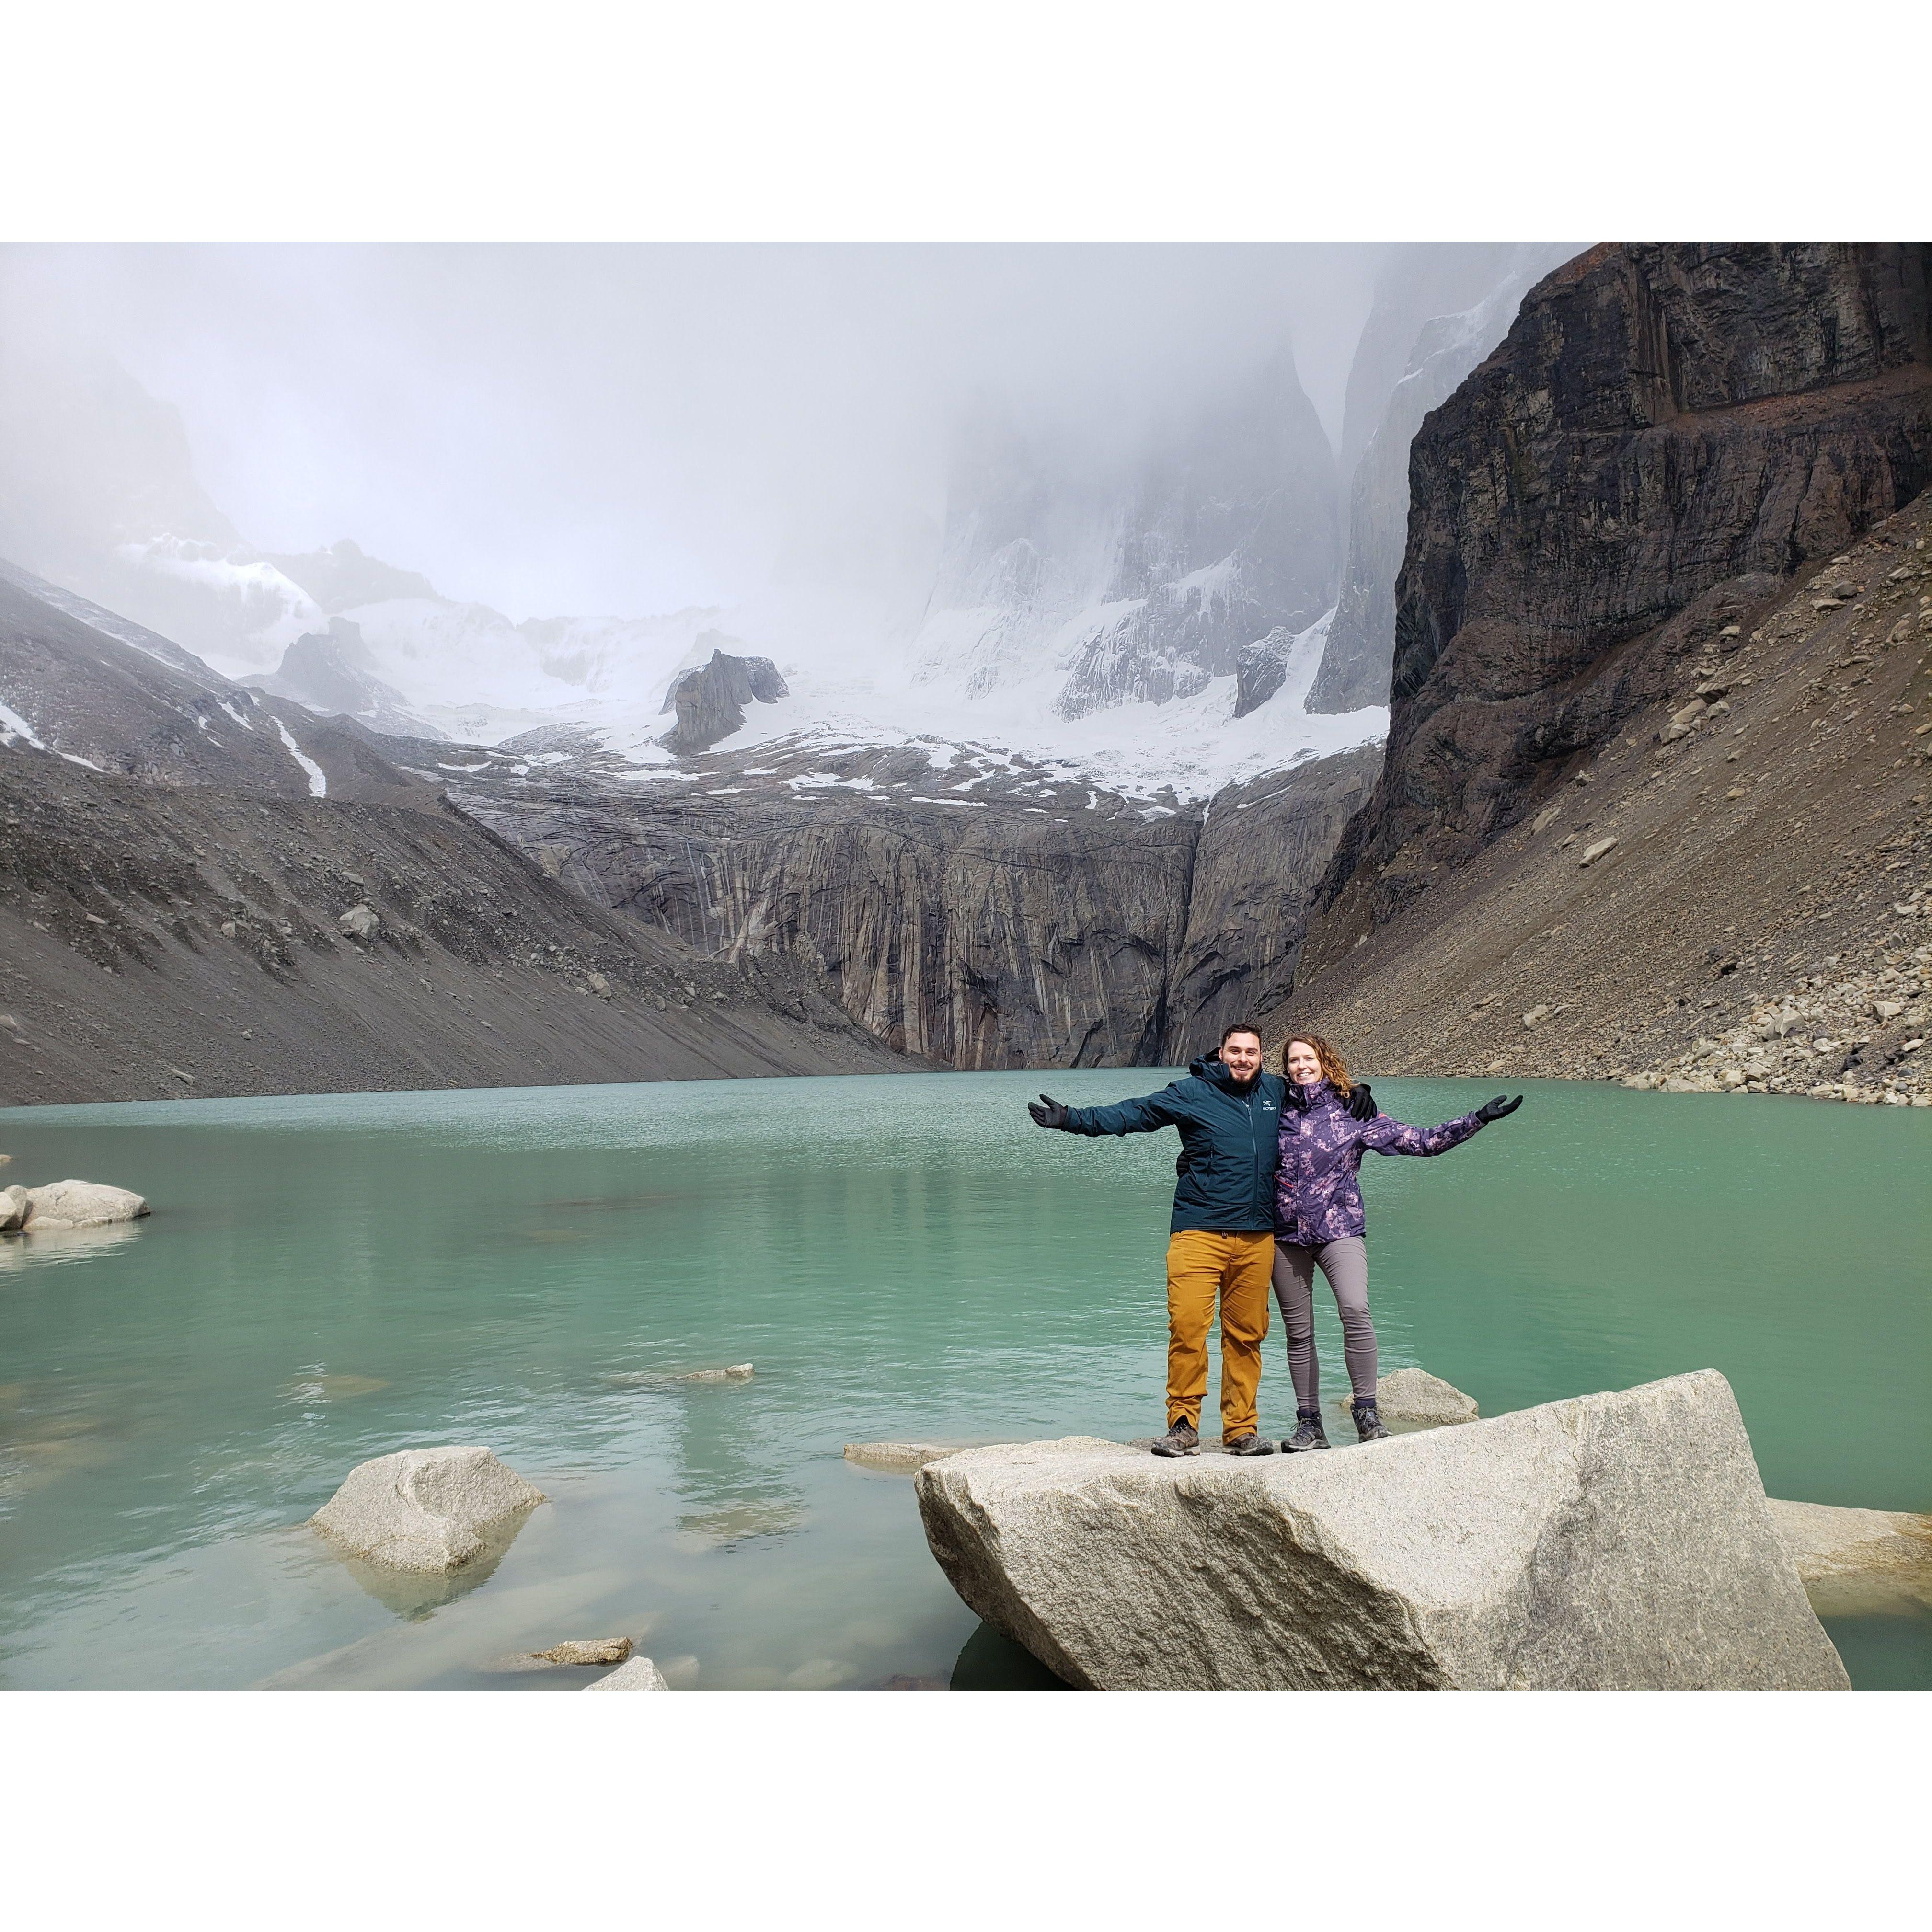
[[1668, 431], [1013, 917], [1452, 304], [1258, 859], [1730, 895]]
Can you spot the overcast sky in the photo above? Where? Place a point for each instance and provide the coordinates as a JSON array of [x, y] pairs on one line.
[[630, 429]]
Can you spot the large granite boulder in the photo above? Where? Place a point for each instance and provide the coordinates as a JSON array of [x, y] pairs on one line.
[[1611, 1541], [425, 1509], [16, 1205], [81, 1204]]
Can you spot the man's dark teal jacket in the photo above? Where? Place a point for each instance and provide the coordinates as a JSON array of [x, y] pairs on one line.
[[1230, 1144]]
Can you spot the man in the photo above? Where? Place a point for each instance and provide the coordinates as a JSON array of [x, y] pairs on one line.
[[1222, 1238]]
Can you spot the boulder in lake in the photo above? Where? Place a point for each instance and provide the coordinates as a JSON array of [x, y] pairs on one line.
[[16, 1205], [587, 1650], [1414, 1398], [1825, 1540], [81, 1204], [1613, 1541], [1858, 1561], [424, 1509], [640, 1674], [738, 1371]]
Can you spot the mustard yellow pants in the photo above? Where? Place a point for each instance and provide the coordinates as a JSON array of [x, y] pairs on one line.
[[1200, 1266]]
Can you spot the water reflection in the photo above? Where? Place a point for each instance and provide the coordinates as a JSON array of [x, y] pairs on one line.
[[414, 1594], [992, 1661], [45, 1247], [726, 1471]]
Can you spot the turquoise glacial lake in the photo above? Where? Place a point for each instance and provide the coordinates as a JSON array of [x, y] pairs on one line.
[[325, 1279]]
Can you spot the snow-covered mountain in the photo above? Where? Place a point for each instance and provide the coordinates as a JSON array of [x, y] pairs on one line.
[[1086, 604], [1137, 580]]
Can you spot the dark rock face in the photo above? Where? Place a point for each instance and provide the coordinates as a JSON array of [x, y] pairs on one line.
[[1258, 860], [1453, 304], [1261, 671], [978, 936], [710, 698], [1668, 432], [1037, 922]]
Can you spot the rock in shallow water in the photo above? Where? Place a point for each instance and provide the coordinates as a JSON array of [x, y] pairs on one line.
[[1414, 1398], [901, 1458], [586, 1650], [1827, 1541], [640, 1674], [1858, 1561], [1618, 1541], [424, 1509], [80, 1203]]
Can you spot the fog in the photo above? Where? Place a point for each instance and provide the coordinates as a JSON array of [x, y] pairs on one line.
[[630, 429]]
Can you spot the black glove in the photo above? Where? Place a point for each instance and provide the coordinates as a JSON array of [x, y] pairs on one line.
[[1297, 1098], [1047, 1112], [1494, 1110], [1362, 1103]]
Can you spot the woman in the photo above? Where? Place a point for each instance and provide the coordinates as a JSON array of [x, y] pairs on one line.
[[1318, 1221]]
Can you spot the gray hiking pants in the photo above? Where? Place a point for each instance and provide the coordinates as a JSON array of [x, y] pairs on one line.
[[1345, 1263]]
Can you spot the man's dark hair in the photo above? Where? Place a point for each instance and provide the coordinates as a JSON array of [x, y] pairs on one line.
[[1241, 1026]]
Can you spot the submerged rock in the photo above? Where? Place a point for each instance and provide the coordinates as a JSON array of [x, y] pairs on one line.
[[1858, 1562], [582, 1651], [1618, 1541], [640, 1674], [902, 1458], [424, 1509], [739, 1372], [80, 1203], [587, 1650]]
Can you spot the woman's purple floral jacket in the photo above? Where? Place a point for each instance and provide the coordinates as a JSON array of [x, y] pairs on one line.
[[1318, 1196]]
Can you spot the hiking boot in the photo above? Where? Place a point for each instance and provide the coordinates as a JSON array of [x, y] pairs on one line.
[[1308, 1432], [1249, 1445], [1182, 1439], [1368, 1424]]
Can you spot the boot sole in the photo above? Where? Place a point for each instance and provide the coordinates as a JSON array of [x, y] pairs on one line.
[[1290, 1449], [1160, 1451]]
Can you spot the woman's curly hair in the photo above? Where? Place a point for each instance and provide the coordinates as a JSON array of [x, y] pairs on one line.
[[1334, 1069]]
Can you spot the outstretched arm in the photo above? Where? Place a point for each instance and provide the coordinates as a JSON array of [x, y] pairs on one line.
[[1388, 1136], [1385, 1135], [1144, 1115]]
